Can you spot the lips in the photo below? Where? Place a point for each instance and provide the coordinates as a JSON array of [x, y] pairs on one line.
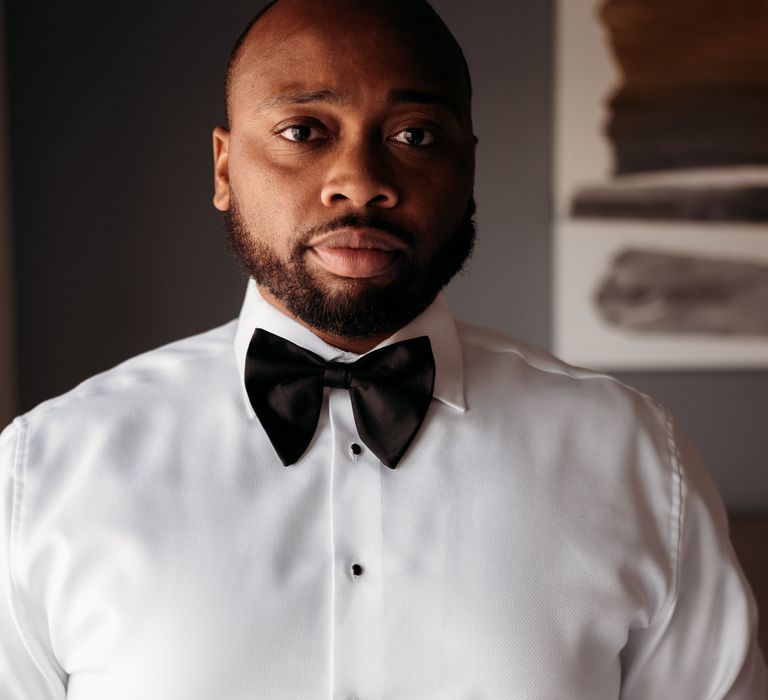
[[357, 253]]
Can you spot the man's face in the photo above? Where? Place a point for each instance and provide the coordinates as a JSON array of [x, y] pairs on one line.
[[347, 175]]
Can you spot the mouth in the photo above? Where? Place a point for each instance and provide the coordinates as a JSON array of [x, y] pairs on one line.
[[358, 253]]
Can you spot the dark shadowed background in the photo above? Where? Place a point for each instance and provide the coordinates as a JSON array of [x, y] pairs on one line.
[[116, 247]]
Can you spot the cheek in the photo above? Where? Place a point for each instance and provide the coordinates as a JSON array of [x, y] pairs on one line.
[[254, 181], [443, 199], [273, 200], [449, 179], [275, 182]]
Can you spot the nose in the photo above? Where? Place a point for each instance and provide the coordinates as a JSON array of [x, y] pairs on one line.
[[358, 176]]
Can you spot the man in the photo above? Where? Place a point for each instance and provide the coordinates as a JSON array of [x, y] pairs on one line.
[[346, 494]]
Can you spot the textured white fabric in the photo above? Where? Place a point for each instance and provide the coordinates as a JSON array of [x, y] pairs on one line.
[[549, 534]]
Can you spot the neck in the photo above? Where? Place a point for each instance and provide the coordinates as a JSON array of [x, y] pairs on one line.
[[357, 345]]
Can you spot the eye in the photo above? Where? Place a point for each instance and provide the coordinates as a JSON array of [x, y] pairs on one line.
[[299, 133], [415, 136]]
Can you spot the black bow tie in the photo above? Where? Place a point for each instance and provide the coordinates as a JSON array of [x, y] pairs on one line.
[[390, 390]]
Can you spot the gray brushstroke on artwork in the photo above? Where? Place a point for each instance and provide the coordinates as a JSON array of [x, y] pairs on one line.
[[654, 291], [679, 202]]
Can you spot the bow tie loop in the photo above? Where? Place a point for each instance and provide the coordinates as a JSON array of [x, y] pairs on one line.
[[390, 390]]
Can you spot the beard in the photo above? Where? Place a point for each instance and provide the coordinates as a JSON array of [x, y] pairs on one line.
[[354, 308]]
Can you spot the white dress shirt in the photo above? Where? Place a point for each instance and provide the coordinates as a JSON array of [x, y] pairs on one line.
[[548, 534]]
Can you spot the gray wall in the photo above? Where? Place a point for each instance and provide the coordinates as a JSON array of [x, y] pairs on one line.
[[7, 305], [118, 248]]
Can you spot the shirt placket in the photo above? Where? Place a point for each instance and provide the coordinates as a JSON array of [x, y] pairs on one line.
[[357, 614]]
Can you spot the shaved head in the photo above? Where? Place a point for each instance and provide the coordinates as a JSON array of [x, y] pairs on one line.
[[415, 18]]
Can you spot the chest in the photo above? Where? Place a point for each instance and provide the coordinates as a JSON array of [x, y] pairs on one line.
[[458, 575]]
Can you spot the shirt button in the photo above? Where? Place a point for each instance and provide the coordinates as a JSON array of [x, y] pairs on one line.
[[355, 449], [357, 570]]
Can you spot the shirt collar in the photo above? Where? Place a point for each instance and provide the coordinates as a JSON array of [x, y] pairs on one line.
[[436, 322]]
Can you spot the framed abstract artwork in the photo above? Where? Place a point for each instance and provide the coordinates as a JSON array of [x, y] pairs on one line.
[[661, 184]]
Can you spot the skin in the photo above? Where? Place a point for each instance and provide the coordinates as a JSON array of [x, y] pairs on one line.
[[337, 108]]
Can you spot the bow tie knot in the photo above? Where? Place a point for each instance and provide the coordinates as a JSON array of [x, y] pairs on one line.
[[338, 375], [390, 390]]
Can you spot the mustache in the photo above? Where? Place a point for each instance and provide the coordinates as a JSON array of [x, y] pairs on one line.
[[352, 220]]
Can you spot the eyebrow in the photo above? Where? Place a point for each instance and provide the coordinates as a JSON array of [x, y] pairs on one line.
[[298, 98], [396, 96], [426, 97]]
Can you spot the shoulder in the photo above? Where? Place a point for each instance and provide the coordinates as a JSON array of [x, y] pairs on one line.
[[165, 374], [535, 373], [122, 426], [490, 342], [602, 429]]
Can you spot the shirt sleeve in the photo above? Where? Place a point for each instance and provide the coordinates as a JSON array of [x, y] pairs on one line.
[[703, 646], [27, 664]]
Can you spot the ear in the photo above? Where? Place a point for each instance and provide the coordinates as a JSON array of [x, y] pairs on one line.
[[221, 168]]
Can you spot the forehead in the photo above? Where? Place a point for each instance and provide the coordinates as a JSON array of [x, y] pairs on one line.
[[348, 51]]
